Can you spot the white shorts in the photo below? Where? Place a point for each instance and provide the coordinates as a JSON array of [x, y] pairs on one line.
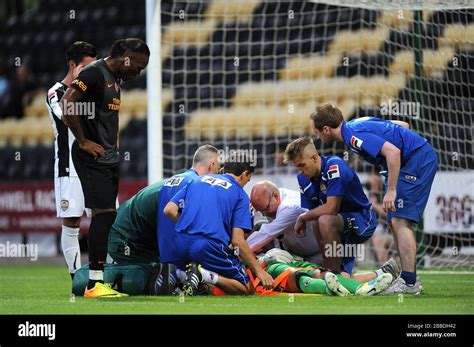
[[69, 197]]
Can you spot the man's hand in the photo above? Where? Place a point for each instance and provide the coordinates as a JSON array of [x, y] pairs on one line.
[[389, 201], [265, 278], [92, 148], [300, 227]]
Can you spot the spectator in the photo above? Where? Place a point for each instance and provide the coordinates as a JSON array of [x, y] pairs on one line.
[[23, 90]]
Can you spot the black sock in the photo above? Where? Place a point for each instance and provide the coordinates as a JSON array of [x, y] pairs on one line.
[[98, 238], [91, 283]]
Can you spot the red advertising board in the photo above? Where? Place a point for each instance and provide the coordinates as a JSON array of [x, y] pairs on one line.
[[31, 207]]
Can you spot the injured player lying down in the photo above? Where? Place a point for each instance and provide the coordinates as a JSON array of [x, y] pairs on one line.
[[294, 276]]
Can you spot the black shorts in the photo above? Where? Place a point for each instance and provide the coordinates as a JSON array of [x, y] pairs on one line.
[[100, 182]]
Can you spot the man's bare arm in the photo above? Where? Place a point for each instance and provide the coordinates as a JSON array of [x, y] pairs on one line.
[[171, 211], [72, 96], [331, 207], [246, 254], [393, 157]]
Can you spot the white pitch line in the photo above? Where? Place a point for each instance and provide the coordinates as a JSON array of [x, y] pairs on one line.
[[428, 272]]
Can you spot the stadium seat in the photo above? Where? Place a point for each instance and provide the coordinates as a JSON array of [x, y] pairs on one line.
[[434, 62], [6, 130], [133, 102], [401, 19], [37, 108], [310, 66], [458, 37], [232, 10], [364, 40], [188, 33]]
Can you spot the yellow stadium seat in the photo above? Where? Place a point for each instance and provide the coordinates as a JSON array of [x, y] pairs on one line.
[[124, 118], [315, 66], [400, 19], [354, 42], [188, 32], [45, 135], [458, 37], [17, 132], [434, 62], [347, 108], [38, 107], [134, 102], [6, 129], [263, 122], [231, 10]]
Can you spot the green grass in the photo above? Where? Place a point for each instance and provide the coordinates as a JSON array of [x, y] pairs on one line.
[[44, 289]]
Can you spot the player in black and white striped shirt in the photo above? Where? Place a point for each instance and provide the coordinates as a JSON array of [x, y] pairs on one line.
[[68, 191]]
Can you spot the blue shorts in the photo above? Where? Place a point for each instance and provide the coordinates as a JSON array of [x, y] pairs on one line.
[[358, 228], [211, 254], [414, 184]]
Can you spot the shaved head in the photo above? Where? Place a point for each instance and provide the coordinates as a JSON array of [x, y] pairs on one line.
[[309, 151], [263, 197], [303, 155], [302, 148], [206, 160]]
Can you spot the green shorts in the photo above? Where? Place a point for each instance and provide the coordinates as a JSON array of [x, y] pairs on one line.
[[129, 252]]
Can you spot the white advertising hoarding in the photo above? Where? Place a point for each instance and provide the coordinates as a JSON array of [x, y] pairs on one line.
[[450, 206]]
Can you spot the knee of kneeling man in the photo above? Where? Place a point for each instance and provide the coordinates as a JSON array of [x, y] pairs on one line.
[[325, 221]]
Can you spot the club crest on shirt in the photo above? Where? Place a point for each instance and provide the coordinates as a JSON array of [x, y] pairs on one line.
[[64, 205], [333, 172], [322, 188], [356, 142]]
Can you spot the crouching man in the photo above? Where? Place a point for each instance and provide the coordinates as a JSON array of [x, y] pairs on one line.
[[338, 209], [212, 212]]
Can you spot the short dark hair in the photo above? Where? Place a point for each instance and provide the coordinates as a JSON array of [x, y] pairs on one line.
[[238, 167], [130, 44], [327, 115], [79, 50]]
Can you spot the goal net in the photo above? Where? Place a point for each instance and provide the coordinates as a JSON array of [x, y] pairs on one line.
[[246, 74]]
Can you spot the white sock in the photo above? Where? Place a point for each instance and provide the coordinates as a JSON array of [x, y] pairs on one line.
[[70, 247], [96, 275], [379, 272], [209, 277]]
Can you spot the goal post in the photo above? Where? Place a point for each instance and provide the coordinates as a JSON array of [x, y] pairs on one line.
[[246, 75], [154, 86]]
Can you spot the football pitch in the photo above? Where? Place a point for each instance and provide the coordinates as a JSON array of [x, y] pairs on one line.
[[44, 289]]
